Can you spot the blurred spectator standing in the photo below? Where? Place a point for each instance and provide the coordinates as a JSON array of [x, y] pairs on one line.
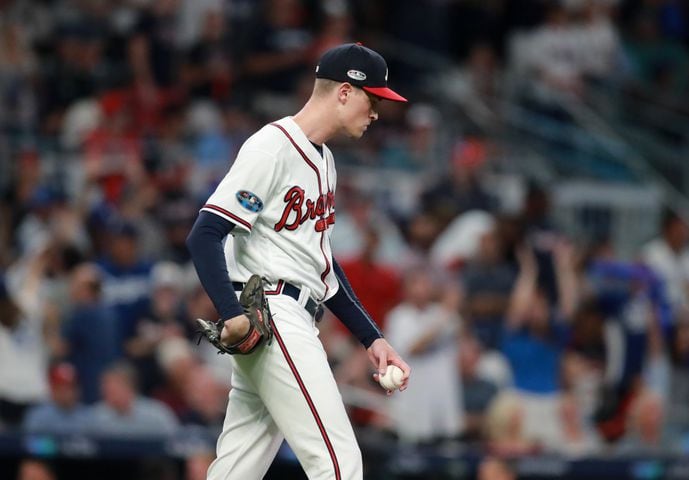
[[18, 78], [163, 318], [210, 67], [378, 283], [278, 49], [89, 330], [63, 413], [461, 190], [152, 47], [76, 70], [124, 413], [23, 360], [113, 149], [126, 277], [630, 299], [668, 256], [533, 342], [424, 330], [487, 280]]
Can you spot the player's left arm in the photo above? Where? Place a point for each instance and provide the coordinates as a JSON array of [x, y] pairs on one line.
[[348, 308]]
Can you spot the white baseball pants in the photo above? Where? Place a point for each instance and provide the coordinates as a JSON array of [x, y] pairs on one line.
[[286, 390]]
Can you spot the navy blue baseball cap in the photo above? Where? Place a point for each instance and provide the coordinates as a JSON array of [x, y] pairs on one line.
[[360, 66]]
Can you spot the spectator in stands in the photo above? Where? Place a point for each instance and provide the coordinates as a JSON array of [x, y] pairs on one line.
[[163, 318], [660, 63], [177, 216], [504, 427], [461, 190], [359, 214], [113, 149], [417, 147], [279, 47], [167, 156], [477, 392], [34, 469], [124, 413], [126, 276], [582, 369], [18, 187], [668, 256], [152, 48], [63, 413], [477, 84], [576, 436], [645, 434], [425, 330], [23, 358], [18, 74], [178, 365], [211, 63], [630, 300], [552, 57], [487, 280], [35, 230], [533, 342], [75, 71], [378, 283], [598, 38], [90, 354], [496, 468], [207, 400]]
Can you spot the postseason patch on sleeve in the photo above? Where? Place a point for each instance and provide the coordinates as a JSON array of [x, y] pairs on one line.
[[249, 201]]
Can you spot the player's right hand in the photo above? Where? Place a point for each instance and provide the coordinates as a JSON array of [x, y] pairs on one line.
[[381, 354]]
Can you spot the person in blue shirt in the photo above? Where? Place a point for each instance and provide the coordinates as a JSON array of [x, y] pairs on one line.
[[535, 337], [89, 330], [536, 332], [126, 277], [63, 413]]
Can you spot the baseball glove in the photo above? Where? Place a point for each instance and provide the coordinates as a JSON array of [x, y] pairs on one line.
[[255, 305]]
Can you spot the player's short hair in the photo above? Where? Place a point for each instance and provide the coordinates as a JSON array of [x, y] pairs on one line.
[[323, 86]]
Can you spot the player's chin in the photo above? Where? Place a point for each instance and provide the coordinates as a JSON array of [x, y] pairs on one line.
[[360, 132]]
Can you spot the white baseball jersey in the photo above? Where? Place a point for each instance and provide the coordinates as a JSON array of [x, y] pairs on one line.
[[280, 195]]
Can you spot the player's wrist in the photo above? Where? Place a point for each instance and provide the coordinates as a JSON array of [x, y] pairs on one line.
[[369, 341]]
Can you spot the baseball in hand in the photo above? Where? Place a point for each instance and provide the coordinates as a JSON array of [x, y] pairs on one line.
[[392, 380]]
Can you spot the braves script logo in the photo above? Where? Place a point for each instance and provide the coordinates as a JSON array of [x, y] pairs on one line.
[[299, 209]]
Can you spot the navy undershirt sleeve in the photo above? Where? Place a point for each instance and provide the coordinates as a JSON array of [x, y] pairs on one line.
[[205, 243], [346, 306]]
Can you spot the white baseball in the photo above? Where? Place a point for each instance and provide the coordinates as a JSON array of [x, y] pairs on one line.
[[392, 380]]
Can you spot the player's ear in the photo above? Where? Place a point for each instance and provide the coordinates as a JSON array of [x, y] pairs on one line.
[[344, 91]]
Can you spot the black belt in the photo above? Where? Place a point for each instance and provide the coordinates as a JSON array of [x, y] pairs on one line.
[[290, 290]]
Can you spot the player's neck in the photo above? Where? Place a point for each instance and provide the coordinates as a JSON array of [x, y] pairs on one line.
[[315, 121]]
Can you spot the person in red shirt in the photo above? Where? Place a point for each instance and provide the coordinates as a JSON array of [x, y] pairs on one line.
[[378, 285]]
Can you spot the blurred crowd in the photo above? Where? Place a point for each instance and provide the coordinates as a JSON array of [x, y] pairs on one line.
[[118, 118]]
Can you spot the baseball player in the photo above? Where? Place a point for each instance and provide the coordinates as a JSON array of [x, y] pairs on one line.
[[278, 203]]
